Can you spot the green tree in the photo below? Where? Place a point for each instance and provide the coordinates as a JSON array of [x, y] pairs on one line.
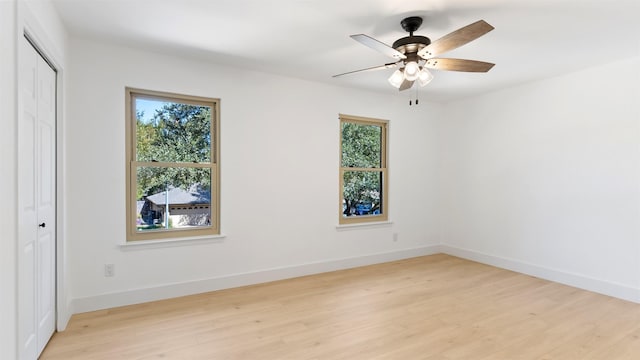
[[361, 149], [177, 133]]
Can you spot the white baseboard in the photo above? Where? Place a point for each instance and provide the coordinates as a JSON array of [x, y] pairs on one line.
[[620, 291], [136, 296], [64, 315]]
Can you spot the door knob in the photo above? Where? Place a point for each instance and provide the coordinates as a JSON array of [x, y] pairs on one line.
[[42, 225]]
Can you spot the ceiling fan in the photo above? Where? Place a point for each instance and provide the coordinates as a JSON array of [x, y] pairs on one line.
[[415, 54]]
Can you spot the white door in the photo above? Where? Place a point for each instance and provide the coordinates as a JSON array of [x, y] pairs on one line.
[[36, 202]]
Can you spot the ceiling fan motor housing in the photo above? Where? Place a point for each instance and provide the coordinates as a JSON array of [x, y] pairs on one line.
[[410, 45]]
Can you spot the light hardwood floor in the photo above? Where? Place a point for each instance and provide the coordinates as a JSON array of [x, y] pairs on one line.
[[432, 307]]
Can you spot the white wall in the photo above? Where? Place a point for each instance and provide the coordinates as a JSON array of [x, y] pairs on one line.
[[544, 178], [8, 187], [279, 173]]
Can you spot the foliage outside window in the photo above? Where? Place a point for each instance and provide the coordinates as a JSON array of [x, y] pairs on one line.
[[363, 170], [172, 165]]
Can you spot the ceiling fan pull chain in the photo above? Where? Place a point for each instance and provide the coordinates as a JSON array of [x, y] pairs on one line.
[[415, 95]]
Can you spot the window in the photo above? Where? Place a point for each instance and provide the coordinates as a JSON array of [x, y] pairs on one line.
[[363, 170], [173, 152]]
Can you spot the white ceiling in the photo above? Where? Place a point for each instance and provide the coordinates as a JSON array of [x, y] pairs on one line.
[[309, 39]]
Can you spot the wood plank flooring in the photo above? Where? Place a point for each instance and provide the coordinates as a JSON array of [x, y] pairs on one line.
[[431, 307]]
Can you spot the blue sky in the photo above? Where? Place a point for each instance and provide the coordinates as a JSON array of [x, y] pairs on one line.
[[149, 107]]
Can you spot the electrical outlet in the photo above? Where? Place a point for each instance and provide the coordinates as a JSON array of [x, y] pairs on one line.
[[395, 237], [109, 270]]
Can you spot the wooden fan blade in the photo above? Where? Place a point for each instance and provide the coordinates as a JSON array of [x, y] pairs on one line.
[[406, 84], [378, 46], [455, 39], [385, 66], [458, 65]]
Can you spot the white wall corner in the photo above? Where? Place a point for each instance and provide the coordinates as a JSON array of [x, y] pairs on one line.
[[8, 181], [64, 315], [136, 296], [616, 290]]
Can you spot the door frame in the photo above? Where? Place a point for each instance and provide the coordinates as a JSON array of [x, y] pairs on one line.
[[29, 27]]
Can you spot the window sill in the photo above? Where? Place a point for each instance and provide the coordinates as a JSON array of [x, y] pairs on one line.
[[153, 244], [367, 225]]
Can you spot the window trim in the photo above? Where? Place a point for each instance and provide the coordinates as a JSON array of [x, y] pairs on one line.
[[132, 235], [383, 169]]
